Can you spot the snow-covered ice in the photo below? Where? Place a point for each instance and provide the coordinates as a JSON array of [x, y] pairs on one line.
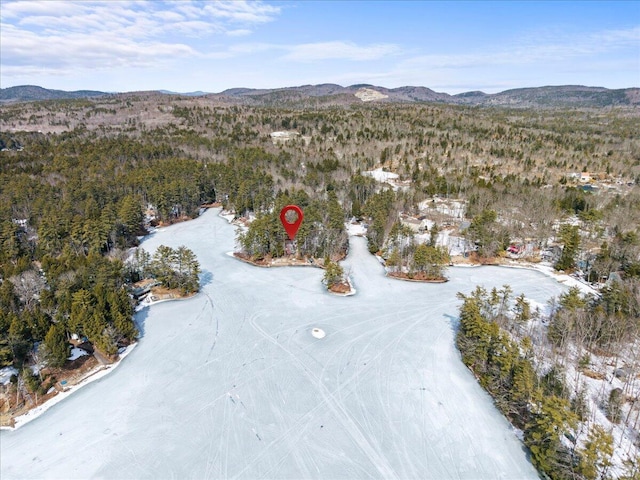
[[356, 229], [230, 383]]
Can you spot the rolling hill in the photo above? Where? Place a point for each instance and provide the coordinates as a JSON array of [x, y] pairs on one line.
[[332, 94]]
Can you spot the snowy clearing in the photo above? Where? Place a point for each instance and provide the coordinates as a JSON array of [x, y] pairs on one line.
[[231, 384], [76, 353], [381, 176]]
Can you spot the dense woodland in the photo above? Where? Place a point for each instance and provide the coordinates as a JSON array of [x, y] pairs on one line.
[[498, 343], [78, 178]]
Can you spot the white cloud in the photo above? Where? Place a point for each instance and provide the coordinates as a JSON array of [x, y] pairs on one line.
[[539, 50], [103, 34], [310, 52], [544, 60], [169, 16], [77, 51], [242, 11], [240, 32], [13, 9], [106, 40]]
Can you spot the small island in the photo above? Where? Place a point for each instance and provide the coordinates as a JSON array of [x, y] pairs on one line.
[[336, 280]]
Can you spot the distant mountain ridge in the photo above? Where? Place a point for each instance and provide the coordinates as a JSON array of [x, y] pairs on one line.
[[186, 94], [30, 93], [333, 94], [549, 96]]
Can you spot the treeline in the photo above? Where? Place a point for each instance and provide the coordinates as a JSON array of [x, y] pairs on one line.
[[83, 295], [175, 268], [552, 415], [497, 159], [599, 232], [70, 207], [607, 323], [321, 234], [405, 257]]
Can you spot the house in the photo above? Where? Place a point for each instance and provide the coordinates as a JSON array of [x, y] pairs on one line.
[[413, 223], [515, 249], [141, 288], [552, 253]]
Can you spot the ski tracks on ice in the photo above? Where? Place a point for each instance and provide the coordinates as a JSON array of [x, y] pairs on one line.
[[362, 432]]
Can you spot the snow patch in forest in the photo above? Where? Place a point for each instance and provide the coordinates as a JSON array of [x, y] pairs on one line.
[[448, 207], [595, 375], [281, 137], [381, 176], [6, 373], [76, 353]]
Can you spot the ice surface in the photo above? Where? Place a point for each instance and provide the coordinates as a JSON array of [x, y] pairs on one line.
[[231, 383]]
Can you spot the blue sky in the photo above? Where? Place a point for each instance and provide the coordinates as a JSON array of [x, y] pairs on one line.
[[213, 45]]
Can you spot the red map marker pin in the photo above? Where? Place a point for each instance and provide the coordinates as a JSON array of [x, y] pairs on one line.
[[291, 217]]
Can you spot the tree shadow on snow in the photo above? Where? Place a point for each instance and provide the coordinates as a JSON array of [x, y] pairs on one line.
[[140, 318], [454, 322], [206, 277]]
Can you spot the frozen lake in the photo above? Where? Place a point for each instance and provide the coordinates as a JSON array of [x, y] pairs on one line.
[[231, 383]]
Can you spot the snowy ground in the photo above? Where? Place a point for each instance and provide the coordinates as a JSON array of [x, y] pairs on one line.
[[36, 412], [380, 175], [232, 384], [77, 353], [6, 373]]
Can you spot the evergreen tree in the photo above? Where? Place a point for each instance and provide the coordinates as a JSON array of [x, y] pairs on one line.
[[18, 337], [6, 353], [570, 236], [130, 214], [433, 234], [335, 213], [595, 457], [31, 380], [176, 268], [333, 273], [522, 309], [56, 348], [552, 420], [82, 309], [475, 335], [523, 387]]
